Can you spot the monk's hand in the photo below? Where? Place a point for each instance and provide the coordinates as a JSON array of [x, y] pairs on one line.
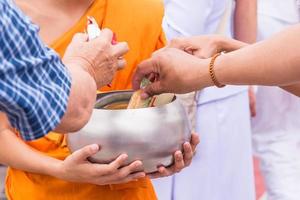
[[176, 72], [99, 57], [181, 159], [206, 46], [77, 168]]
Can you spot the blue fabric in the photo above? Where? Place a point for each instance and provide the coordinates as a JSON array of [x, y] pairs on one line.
[[34, 84]]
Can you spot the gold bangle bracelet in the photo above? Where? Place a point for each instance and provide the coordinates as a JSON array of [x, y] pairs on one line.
[[212, 71]]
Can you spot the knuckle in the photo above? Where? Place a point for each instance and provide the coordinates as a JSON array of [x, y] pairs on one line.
[[176, 41], [159, 57], [107, 30], [87, 151], [121, 174], [104, 45], [111, 170], [98, 171], [101, 43]]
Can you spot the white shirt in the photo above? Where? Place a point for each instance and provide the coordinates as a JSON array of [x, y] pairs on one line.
[[284, 10], [198, 17]]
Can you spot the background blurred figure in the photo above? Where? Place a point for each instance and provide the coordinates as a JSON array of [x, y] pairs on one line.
[[276, 128], [222, 168]]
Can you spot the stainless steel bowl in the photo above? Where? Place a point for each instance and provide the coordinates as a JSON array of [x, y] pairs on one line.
[[151, 135]]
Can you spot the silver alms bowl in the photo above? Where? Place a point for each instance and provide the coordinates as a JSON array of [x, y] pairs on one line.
[[151, 135]]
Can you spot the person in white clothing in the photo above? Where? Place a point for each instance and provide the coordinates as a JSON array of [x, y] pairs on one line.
[[222, 168], [276, 128]]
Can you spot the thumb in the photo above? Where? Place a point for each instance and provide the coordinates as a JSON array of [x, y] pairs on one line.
[[80, 37], [179, 43], [152, 89], [144, 69], [87, 151]]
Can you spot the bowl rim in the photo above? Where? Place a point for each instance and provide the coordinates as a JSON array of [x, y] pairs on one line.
[[129, 110]]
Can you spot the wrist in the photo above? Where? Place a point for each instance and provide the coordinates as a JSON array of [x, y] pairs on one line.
[[212, 73], [219, 69], [82, 63], [203, 79], [54, 168]]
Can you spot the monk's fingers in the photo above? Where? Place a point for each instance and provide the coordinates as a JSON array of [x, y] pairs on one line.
[[113, 167], [188, 154], [106, 35], [179, 162], [121, 63], [195, 140], [81, 155], [162, 172], [124, 172], [131, 177], [136, 166], [120, 49]]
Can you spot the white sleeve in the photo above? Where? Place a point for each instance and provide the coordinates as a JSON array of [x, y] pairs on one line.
[[192, 17], [185, 17]]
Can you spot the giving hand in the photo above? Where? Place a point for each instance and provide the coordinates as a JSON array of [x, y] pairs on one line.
[[176, 72], [207, 45]]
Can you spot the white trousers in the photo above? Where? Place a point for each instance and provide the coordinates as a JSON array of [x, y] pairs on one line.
[[276, 129], [222, 168]]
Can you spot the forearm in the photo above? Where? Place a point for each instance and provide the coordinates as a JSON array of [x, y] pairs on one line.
[[271, 62], [81, 100], [16, 154], [245, 20]]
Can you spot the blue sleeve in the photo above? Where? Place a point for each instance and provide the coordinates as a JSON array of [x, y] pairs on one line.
[[34, 84]]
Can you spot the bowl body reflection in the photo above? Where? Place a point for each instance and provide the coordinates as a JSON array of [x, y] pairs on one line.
[[151, 135]]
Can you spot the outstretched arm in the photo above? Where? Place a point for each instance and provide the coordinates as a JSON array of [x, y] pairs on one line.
[[273, 62]]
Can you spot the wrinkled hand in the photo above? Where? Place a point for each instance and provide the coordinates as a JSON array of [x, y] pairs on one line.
[[77, 168], [207, 45], [99, 57], [176, 72], [181, 159]]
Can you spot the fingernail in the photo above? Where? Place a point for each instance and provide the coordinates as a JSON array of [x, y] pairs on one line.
[[161, 170], [186, 145], [179, 157], [95, 147], [124, 156], [138, 164]]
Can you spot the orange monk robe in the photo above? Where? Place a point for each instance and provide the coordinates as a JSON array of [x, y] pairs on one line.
[[138, 23]]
